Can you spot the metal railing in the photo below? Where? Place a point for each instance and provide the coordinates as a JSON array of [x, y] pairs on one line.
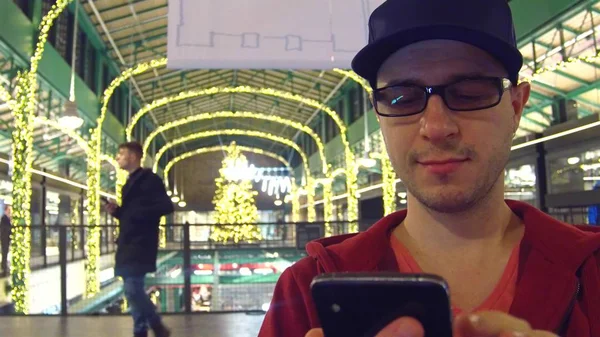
[[572, 215], [45, 243], [194, 272]]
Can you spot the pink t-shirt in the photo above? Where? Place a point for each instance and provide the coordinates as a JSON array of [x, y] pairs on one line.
[[501, 297]]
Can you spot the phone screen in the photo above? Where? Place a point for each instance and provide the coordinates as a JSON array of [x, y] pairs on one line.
[[360, 305]]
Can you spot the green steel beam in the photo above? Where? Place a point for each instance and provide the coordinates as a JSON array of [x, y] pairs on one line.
[[569, 95], [571, 30], [574, 93], [128, 15], [540, 96], [534, 18], [119, 41], [583, 90], [120, 29], [108, 9]]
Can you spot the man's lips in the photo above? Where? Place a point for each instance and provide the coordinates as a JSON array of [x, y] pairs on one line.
[[441, 161], [442, 166]]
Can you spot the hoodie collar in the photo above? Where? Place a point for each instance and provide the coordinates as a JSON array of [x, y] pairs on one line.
[[557, 242]]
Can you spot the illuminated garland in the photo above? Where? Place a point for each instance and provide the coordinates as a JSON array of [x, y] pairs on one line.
[[337, 172], [388, 182], [356, 78], [162, 232], [562, 65], [351, 167], [238, 114], [124, 76], [235, 207], [295, 200], [249, 133], [327, 203], [23, 111], [311, 213], [22, 146], [7, 97]]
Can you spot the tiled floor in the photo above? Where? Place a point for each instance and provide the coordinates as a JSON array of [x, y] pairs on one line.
[[201, 325]]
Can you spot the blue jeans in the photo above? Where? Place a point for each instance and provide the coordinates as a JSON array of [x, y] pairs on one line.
[[141, 308]]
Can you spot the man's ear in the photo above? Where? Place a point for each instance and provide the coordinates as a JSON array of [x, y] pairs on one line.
[[519, 97]]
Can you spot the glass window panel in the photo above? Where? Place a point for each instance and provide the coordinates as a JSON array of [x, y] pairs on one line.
[[575, 169]]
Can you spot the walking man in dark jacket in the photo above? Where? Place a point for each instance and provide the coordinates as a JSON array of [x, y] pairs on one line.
[[144, 201], [5, 229]]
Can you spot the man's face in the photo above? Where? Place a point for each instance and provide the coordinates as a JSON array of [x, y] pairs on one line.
[[449, 160], [125, 158]]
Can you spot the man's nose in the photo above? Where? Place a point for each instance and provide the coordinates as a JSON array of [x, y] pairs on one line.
[[437, 123]]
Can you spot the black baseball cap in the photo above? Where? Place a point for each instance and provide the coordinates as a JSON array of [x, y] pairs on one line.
[[486, 24]]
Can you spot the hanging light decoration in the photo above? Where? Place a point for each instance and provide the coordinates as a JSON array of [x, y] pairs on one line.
[[70, 118], [182, 202], [175, 197]]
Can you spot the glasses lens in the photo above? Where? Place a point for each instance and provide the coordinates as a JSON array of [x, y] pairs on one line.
[[473, 94], [400, 100]]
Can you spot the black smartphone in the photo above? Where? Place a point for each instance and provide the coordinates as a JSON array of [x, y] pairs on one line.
[[361, 304]]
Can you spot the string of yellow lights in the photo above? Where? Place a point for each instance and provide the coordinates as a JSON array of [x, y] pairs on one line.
[[23, 112], [388, 176]]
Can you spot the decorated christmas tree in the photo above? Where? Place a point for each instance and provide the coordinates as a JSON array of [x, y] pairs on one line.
[[235, 207]]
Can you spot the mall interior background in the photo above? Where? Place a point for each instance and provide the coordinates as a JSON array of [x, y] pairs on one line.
[[554, 165]]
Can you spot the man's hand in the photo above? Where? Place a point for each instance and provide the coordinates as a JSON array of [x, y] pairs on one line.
[[482, 324], [111, 207]]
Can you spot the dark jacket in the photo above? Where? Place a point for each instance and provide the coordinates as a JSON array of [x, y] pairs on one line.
[[5, 229], [557, 286], [144, 201]]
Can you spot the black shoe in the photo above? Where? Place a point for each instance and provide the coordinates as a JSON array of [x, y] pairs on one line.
[[161, 331], [141, 334]]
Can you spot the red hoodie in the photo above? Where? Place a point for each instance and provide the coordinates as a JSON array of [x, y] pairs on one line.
[[558, 285]]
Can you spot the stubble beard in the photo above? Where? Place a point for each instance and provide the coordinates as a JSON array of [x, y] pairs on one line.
[[449, 198]]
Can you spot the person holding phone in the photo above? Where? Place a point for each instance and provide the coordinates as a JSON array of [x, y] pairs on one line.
[[144, 201], [446, 91]]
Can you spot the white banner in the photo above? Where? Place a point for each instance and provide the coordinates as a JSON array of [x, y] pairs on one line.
[[267, 34]]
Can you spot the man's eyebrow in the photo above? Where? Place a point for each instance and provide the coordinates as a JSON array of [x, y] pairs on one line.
[[421, 82]]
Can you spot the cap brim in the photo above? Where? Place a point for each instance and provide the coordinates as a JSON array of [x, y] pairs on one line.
[[368, 60]]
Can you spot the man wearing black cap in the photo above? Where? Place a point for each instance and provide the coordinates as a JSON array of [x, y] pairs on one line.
[[446, 94]]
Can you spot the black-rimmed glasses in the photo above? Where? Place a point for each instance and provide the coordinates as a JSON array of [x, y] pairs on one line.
[[467, 94]]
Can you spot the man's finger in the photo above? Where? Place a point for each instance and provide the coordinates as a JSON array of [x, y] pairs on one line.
[[490, 324], [540, 333], [315, 333], [405, 326]]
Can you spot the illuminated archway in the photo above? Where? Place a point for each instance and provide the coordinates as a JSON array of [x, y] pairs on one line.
[[250, 133], [239, 114], [351, 167]]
